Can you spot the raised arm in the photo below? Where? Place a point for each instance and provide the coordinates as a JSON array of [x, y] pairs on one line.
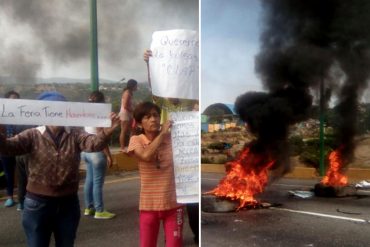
[[115, 123], [148, 153], [147, 55], [95, 143]]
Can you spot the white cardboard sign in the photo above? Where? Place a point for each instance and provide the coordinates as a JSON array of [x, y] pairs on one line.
[[57, 113], [185, 148], [174, 65]]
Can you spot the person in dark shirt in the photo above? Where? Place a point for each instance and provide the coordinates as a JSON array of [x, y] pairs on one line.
[[8, 162]]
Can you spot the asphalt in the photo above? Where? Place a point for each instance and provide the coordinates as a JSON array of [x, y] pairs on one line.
[[298, 222], [293, 221], [121, 196]]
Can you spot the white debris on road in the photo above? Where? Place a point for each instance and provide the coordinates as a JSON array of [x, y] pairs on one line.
[[363, 184], [301, 193]]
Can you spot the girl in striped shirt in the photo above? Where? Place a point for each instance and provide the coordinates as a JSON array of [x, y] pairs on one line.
[[158, 203]]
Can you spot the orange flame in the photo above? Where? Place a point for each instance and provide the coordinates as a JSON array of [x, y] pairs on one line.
[[334, 176], [245, 178]]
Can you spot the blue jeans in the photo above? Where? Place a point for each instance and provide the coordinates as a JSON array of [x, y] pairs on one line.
[[96, 165], [22, 169], [44, 216]]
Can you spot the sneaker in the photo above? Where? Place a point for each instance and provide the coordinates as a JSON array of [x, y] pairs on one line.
[[89, 211], [20, 206], [9, 203], [104, 215]]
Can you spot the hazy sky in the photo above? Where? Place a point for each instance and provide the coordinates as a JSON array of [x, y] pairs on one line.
[[50, 38], [230, 40]]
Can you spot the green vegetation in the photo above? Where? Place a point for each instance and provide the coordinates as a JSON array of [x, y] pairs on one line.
[[220, 146], [334, 120], [304, 140], [218, 159], [310, 151], [296, 145]]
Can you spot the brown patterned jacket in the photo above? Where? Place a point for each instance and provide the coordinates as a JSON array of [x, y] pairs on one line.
[[53, 171]]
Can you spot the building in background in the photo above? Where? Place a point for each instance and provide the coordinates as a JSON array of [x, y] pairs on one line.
[[219, 116]]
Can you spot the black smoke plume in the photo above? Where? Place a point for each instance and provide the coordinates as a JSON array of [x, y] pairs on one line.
[[304, 43], [58, 32]]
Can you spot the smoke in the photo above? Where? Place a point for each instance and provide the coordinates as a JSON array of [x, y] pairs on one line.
[[59, 31], [20, 65], [60, 28], [303, 44]]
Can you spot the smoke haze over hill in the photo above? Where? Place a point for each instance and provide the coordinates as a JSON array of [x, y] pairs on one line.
[[49, 38]]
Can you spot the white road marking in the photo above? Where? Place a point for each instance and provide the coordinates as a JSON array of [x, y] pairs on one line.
[[306, 212], [322, 215]]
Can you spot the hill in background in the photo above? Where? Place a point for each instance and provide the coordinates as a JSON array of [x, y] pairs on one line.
[[78, 91]]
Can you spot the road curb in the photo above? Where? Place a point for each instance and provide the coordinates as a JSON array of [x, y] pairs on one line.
[[121, 162], [354, 174]]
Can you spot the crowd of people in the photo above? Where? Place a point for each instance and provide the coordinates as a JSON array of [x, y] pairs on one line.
[[47, 160]]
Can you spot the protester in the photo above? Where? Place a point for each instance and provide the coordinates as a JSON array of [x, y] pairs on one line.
[[18, 164], [9, 162], [126, 112], [96, 164], [168, 105], [153, 150], [51, 205]]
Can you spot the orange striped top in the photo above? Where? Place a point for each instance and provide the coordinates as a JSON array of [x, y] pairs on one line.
[[157, 189]]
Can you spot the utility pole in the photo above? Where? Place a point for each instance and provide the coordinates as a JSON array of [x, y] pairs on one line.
[[94, 66], [322, 113]]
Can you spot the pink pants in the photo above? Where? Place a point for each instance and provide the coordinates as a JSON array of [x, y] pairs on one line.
[[172, 223]]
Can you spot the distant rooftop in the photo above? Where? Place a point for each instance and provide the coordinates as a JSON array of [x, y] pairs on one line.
[[220, 109]]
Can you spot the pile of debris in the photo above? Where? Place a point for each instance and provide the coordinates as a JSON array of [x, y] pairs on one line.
[[307, 129]]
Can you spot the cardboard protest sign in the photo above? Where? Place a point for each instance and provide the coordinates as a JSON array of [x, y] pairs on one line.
[[185, 148], [57, 113], [174, 65]]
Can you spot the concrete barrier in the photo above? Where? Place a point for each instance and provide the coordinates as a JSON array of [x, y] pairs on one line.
[[123, 162]]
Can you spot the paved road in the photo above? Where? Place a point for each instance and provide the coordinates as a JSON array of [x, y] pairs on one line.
[[313, 222], [121, 193]]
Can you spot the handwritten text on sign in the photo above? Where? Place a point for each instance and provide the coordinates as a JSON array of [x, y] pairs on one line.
[[185, 145], [174, 66], [36, 112]]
